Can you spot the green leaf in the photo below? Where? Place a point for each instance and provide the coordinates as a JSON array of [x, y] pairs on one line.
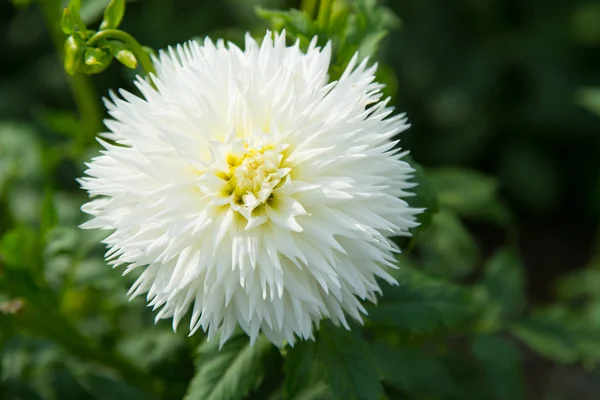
[[469, 193], [447, 248], [422, 304], [413, 369], [102, 387], [559, 335], [229, 373], [316, 391], [20, 155], [462, 189], [299, 368], [19, 248], [349, 365], [75, 13], [425, 197], [504, 278], [590, 99], [113, 15], [501, 363]]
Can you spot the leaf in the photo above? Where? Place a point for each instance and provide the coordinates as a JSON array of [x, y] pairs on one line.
[[92, 10], [299, 368], [19, 248], [590, 99], [316, 391], [113, 15], [422, 304], [349, 365], [20, 154], [75, 13], [501, 363], [560, 336], [229, 373], [504, 280], [447, 248], [413, 369], [469, 193], [102, 387], [425, 197]]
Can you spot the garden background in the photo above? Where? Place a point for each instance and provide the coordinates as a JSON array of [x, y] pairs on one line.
[[500, 292]]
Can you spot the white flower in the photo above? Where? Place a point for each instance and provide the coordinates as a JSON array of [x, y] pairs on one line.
[[251, 190]]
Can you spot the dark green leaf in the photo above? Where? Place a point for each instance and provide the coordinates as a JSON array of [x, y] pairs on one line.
[[469, 193], [300, 365], [590, 99], [349, 365], [425, 197], [413, 369], [422, 304], [504, 281], [462, 189], [102, 387], [447, 248], [560, 336], [315, 391], [501, 363], [232, 372]]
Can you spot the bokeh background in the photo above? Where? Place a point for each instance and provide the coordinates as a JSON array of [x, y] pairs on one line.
[[500, 88]]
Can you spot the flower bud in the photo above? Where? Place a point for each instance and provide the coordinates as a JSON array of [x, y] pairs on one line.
[[127, 58], [74, 54], [96, 60], [66, 23]]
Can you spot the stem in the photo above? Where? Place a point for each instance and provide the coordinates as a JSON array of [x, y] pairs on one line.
[[127, 40], [82, 88], [309, 7], [324, 16]]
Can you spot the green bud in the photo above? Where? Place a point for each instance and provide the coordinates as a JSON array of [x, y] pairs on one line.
[[113, 14], [96, 60], [74, 11], [74, 54], [66, 23], [126, 58]]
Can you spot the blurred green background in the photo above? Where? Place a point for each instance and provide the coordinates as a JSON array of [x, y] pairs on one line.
[[495, 87]]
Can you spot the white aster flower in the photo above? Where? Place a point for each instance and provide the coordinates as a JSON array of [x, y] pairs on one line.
[[251, 190]]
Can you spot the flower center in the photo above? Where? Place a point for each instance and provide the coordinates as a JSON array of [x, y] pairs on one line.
[[252, 177]]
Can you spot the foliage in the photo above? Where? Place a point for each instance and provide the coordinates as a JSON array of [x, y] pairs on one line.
[[496, 110]]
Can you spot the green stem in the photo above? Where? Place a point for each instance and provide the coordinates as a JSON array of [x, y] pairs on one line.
[[309, 7], [324, 15], [82, 88], [129, 41]]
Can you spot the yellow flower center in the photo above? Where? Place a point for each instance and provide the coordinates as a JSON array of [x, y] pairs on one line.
[[252, 177]]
